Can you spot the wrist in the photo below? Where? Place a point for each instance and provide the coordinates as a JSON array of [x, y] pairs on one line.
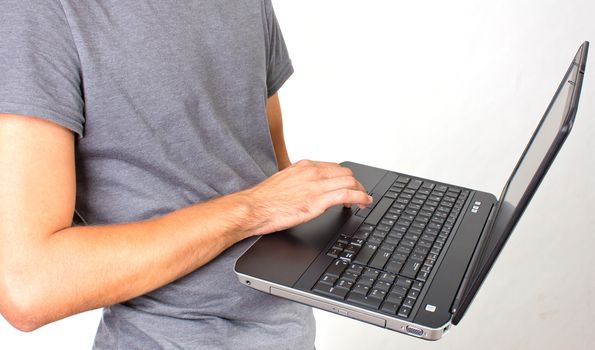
[[252, 217]]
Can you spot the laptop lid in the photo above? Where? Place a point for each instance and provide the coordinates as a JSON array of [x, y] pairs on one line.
[[545, 143]]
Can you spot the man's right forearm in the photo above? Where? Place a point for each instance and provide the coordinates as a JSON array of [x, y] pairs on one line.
[[82, 268]]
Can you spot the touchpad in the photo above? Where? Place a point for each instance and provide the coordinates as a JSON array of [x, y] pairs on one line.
[[283, 257], [319, 231]]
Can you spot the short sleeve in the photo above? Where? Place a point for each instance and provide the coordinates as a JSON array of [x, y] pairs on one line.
[[279, 67], [39, 64]]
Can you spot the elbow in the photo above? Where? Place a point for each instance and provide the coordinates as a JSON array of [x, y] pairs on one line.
[[21, 323], [19, 308]]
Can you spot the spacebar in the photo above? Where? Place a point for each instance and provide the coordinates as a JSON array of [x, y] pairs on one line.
[[378, 212]]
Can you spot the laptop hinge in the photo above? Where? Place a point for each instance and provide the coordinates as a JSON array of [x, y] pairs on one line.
[[474, 258]]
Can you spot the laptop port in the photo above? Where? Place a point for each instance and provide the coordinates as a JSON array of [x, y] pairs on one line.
[[414, 331]]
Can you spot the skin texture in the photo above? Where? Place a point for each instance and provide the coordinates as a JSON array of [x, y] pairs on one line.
[[50, 270]]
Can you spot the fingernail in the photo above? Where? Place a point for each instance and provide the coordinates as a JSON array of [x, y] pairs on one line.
[[370, 198]]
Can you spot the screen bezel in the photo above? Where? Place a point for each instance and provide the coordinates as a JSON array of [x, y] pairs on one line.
[[479, 273]]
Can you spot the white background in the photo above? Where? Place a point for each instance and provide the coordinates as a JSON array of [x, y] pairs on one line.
[[450, 90]]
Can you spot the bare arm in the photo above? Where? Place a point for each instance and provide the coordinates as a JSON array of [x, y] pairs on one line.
[[49, 270], [274, 116]]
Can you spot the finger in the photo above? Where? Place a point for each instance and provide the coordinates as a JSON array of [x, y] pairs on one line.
[[327, 164], [329, 199], [307, 162], [336, 183], [332, 172]]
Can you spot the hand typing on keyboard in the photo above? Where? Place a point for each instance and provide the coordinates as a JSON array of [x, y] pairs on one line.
[[302, 192]]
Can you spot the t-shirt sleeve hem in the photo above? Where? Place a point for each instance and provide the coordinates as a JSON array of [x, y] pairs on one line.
[[286, 72], [43, 113]]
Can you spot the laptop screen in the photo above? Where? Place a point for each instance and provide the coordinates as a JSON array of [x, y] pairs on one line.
[[530, 169]]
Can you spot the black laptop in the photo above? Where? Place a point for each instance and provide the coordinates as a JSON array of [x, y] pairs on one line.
[[413, 261]]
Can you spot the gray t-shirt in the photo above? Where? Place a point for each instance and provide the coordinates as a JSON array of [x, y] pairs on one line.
[[168, 99]]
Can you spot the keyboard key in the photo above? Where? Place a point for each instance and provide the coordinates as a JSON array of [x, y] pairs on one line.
[[378, 212], [391, 216], [343, 239], [382, 227], [387, 221], [409, 302], [323, 288], [402, 250], [361, 299], [413, 294], [441, 188], [361, 288], [417, 201], [391, 194], [372, 273], [393, 238], [388, 246], [349, 276], [358, 242], [399, 291], [390, 308], [421, 250], [423, 276], [331, 291], [417, 285], [394, 298], [366, 281], [377, 294], [346, 256], [404, 311], [407, 243], [415, 184], [398, 187], [403, 179], [380, 259], [336, 268], [417, 257], [394, 266], [343, 283], [339, 246], [399, 228], [352, 248], [355, 269], [404, 282], [411, 268], [428, 185], [334, 253], [380, 285], [365, 254], [375, 240], [366, 227], [328, 279], [387, 277]]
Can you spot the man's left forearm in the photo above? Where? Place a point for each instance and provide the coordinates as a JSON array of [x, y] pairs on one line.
[[275, 119]]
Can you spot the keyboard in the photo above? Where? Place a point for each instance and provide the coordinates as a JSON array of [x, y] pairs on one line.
[[385, 263]]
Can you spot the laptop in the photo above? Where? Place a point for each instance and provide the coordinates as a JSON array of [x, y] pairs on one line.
[[412, 261]]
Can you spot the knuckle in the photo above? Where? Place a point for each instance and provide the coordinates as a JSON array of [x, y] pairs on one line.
[[304, 162], [344, 194], [312, 172]]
